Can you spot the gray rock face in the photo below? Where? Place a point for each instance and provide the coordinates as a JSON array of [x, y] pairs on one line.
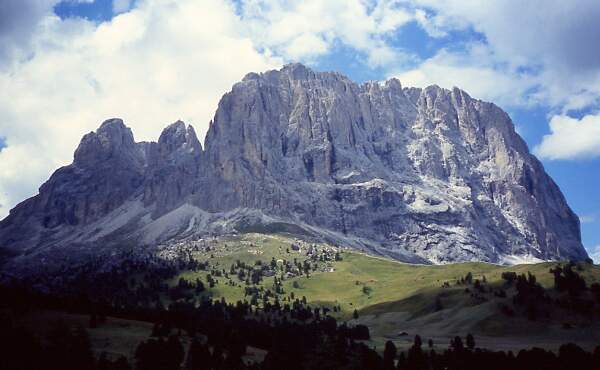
[[422, 175], [106, 171], [172, 165]]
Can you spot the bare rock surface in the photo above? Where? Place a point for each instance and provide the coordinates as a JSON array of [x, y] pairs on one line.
[[421, 175]]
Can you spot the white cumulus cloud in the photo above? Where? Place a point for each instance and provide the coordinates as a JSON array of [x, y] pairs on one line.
[[159, 62], [304, 30], [594, 254], [472, 71], [18, 23], [571, 138]]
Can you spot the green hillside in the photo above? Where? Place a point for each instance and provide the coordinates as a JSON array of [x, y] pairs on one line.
[[398, 300]]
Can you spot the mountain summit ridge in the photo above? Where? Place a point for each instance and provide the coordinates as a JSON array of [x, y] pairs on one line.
[[421, 175]]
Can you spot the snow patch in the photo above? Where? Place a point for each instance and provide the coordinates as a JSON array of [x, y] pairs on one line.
[[525, 259]]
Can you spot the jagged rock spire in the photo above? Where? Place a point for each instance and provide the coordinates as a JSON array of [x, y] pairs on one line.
[[428, 175]]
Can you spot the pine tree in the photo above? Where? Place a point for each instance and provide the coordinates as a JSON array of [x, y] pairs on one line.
[[389, 355], [470, 341]]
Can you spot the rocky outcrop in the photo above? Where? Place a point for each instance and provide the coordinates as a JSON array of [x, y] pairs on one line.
[[173, 166], [427, 175], [107, 170]]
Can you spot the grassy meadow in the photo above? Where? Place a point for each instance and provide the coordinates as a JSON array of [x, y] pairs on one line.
[[397, 300]]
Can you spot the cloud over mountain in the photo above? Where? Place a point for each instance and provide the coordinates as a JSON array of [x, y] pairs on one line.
[[571, 138], [153, 64], [157, 61]]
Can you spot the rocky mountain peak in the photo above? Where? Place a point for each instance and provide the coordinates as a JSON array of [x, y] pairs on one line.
[[179, 137], [111, 139], [394, 84], [297, 71], [328, 130], [421, 175]]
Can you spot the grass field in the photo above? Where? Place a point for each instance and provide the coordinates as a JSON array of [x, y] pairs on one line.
[[388, 281], [393, 297]]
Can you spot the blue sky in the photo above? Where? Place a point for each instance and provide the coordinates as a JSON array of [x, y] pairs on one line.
[[73, 63], [101, 10]]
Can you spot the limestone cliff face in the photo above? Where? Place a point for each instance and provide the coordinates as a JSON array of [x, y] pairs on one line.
[[106, 171], [172, 165], [427, 175]]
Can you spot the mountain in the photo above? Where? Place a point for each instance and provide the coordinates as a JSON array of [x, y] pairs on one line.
[[421, 175]]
